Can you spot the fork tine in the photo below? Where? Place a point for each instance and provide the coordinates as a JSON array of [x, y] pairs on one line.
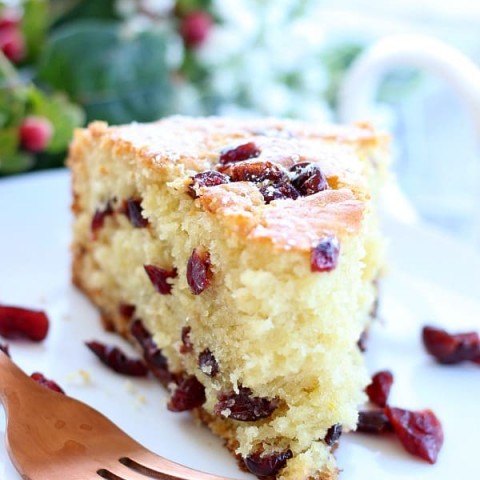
[[121, 472], [151, 464], [147, 471]]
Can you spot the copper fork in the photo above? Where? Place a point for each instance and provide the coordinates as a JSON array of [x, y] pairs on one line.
[[51, 436]]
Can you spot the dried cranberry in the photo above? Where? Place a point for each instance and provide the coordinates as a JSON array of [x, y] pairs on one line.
[[208, 363], [451, 348], [186, 345], [5, 349], [126, 310], [362, 341], [420, 432], [189, 394], [373, 421], [267, 465], [153, 356], [379, 389], [308, 179], [158, 276], [257, 172], [99, 217], [209, 178], [333, 434], [45, 382], [239, 153], [114, 358], [279, 191], [324, 255], [243, 406], [199, 273], [18, 322], [133, 211]]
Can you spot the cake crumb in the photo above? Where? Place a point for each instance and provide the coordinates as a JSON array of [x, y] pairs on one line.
[[79, 377], [129, 387]]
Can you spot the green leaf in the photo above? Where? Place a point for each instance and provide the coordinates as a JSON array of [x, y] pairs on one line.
[[12, 161], [12, 105], [9, 141], [35, 23], [66, 11], [63, 115], [116, 77], [184, 7], [337, 59], [16, 163]]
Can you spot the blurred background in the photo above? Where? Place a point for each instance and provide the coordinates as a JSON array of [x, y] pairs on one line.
[[66, 62]]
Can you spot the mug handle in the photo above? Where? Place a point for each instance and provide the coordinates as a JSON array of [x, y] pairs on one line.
[[361, 81], [360, 85]]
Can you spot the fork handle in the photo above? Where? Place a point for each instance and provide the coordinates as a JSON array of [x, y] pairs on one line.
[[14, 383]]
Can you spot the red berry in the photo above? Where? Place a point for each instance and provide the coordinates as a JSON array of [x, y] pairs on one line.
[[12, 43], [199, 274], [324, 255], [206, 179], [189, 394], [373, 421], [5, 349], [239, 153], [279, 191], [333, 434], [153, 356], [134, 212], [451, 348], [45, 382], [9, 19], [159, 276], [208, 363], [127, 310], [195, 27], [114, 358], [379, 389], [421, 432], [18, 322], [308, 178], [186, 345], [243, 406], [268, 465], [35, 133], [98, 219]]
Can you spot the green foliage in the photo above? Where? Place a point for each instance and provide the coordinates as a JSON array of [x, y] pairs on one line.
[[66, 11], [115, 76], [184, 7], [12, 160], [12, 105], [35, 25], [337, 59]]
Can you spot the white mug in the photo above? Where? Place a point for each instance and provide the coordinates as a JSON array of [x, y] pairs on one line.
[[360, 85]]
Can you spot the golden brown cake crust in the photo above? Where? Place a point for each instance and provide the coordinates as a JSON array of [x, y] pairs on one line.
[[159, 147]]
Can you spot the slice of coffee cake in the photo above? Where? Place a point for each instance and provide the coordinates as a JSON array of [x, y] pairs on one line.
[[242, 256]]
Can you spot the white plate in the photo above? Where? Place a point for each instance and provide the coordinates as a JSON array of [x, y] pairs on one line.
[[432, 280]]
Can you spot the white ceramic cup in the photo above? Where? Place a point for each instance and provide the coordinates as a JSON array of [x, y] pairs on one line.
[[360, 85], [408, 50]]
